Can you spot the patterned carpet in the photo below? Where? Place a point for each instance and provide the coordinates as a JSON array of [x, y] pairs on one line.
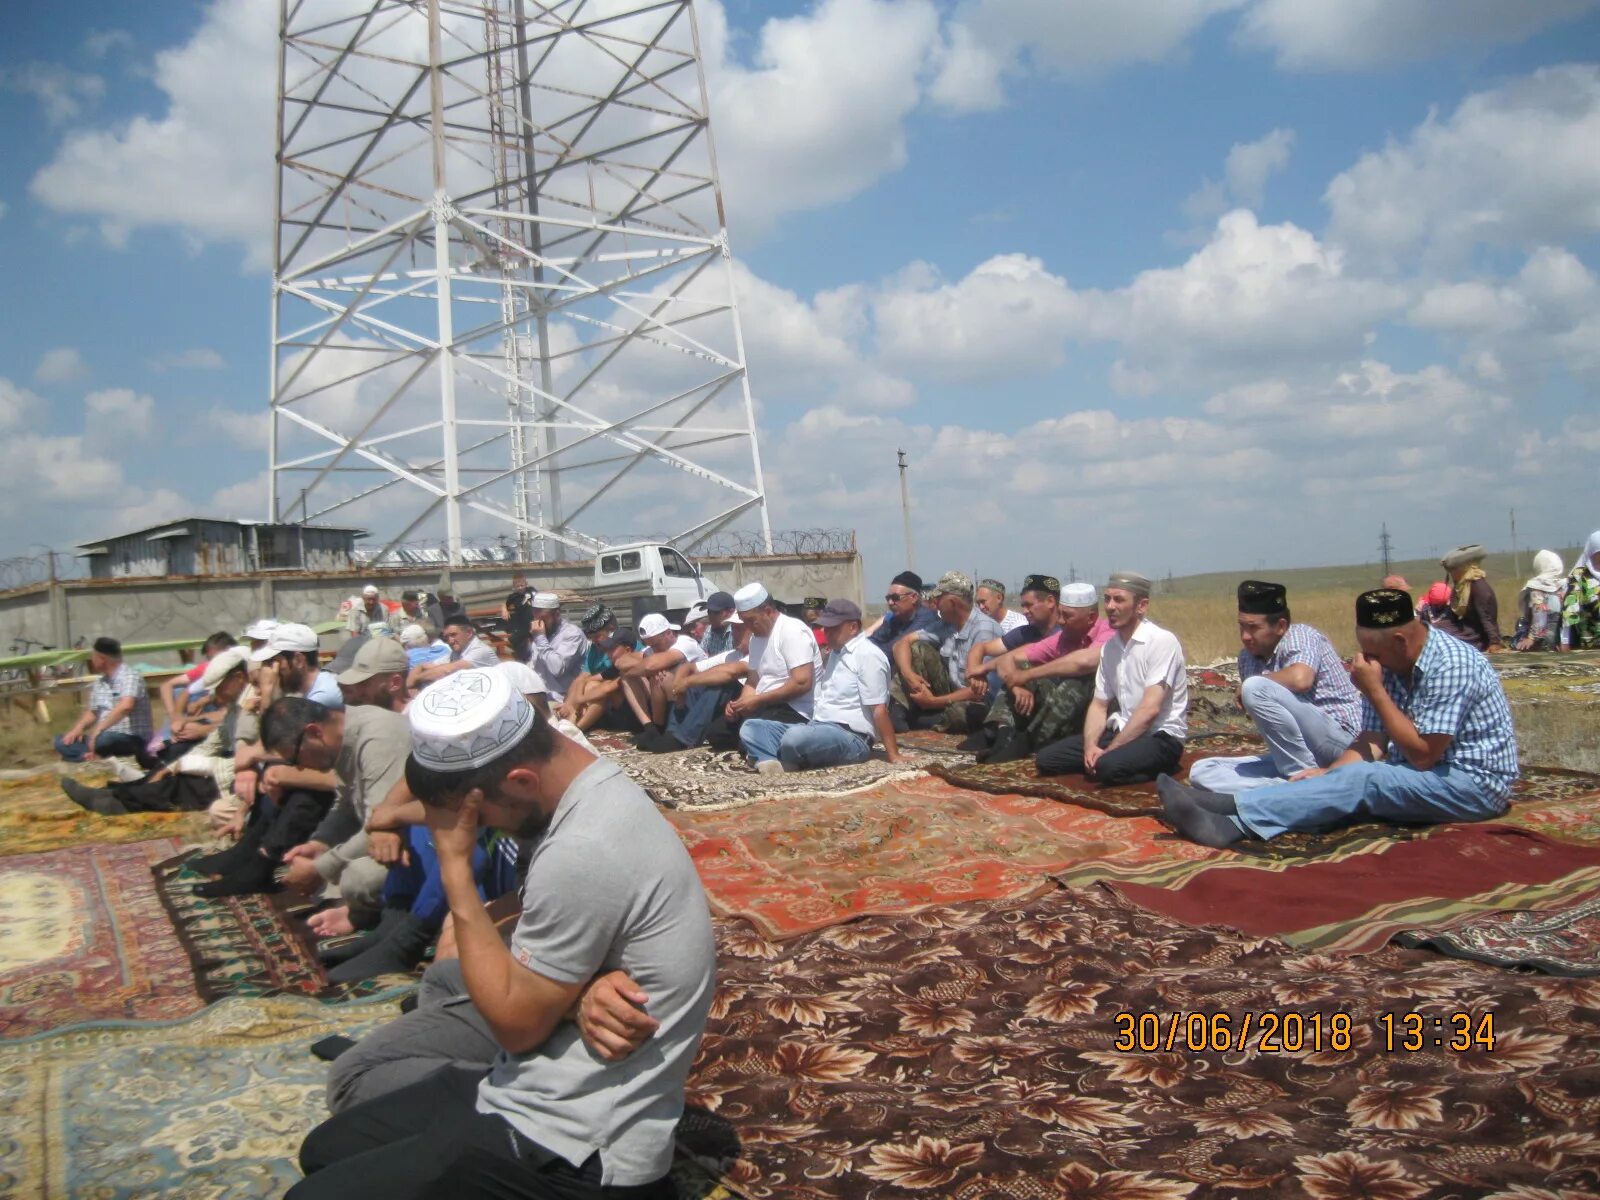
[[1565, 941], [83, 938], [247, 945], [705, 780], [972, 1052], [35, 817], [214, 1106]]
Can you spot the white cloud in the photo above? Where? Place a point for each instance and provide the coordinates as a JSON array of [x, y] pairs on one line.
[[61, 93], [17, 405], [152, 508], [64, 364], [247, 430], [1355, 35], [1515, 165], [1244, 176], [116, 415], [1008, 317], [198, 359], [245, 500]]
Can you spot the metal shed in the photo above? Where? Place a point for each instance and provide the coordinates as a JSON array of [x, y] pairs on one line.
[[201, 546]]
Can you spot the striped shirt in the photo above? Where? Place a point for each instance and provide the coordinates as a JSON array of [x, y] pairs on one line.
[[1331, 690], [121, 684], [1453, 690]]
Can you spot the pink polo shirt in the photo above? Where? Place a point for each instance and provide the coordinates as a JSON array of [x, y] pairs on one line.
[[1058, 644]]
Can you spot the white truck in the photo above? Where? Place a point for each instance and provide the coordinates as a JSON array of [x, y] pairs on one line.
[[647, 577]]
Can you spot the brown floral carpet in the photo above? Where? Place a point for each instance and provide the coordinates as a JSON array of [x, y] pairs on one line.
[[1563, 941], [36, 817], [972, 1052], [707, 780]]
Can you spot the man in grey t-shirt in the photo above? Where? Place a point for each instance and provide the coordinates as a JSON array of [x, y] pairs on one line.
[[609, 888]]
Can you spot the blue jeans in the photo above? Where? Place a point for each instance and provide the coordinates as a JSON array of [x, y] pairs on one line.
[[416, 885], [1299, 736], [1383, 790], [803, 747], [107, 745]]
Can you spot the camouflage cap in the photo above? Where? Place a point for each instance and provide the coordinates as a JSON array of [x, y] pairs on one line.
[[954, 583]]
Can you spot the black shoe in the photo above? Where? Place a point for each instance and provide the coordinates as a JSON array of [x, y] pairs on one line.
[[657, 741], [898, 717], [1009, 746], [223, 862], [253, 876], [96, 800], [397, 953], [1199, 824], [978, 742]]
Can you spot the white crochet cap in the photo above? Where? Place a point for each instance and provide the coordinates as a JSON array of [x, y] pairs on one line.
[[751, 595], [1079, 595], [467, 720]]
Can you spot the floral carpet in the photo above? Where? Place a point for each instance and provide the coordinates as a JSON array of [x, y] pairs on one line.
[[973, 1052], [36, 817], [83, 938], [214, 1106], [1563, 941]]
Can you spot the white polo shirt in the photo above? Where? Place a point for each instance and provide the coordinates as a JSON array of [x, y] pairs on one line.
[[790, 645], [1152, 655], [686, 645], [479, 653], [855, 677]]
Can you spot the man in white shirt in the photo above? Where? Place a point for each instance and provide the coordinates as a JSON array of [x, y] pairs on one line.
[[698, 692], [467, 651], [1137, 720], [556, 646], [851, 705], [785, 662], [991, 597], [645, 674]]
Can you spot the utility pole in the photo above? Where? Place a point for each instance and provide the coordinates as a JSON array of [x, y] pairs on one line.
[[1386, 546], [905, 509], [1516, 551], [1072, 572]]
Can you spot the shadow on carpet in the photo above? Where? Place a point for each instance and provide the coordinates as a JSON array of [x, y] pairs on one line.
[[974, 1051], [213, 1106], [35, 817], [255, 945], [83, 937]]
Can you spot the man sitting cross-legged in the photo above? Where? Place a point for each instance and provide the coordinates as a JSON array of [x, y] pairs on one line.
[[609, 884], [1047, 683], [597, 691], [645, 673], [932, 686], [990, 595], [1296, 690], [1136, 723], [1436, 742], [467, 651], [851, 705], [905, 613], [784, 664], [697, 695]]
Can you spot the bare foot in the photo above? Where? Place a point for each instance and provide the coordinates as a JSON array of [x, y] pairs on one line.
[[331, 922]]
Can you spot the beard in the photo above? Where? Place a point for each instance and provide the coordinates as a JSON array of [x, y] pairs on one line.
[[532, 825]]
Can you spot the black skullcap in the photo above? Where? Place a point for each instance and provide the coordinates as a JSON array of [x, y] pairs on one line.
[[1043, 583], [1384, 608], [909, 580], [410, 594], [109, 646], [1263, 599], [814, 602], [595, 618]]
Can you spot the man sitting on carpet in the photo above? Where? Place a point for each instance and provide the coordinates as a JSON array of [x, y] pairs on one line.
[[1137, 721], [467, 651], [116, 717], [597, 692], [1046, 683], [932, 689], [905, 613], [645, 674], [609, 883], [556, 646], [1294, 687], [697, 696], [785, 661], [720, 626], [990, 596], [1436, 743], [851, 705]]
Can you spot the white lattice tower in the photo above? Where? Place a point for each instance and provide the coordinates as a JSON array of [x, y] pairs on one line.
[[503, 294]]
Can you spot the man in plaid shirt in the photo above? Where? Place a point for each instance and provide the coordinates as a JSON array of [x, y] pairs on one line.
[[116, 720], [1436, 745]]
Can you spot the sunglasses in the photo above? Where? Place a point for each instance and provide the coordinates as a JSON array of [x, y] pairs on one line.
[[893, 596]]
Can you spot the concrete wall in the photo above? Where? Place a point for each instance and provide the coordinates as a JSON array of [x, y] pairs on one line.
[[153, 610]]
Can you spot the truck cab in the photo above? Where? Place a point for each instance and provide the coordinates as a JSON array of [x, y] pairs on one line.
[[653, 577]]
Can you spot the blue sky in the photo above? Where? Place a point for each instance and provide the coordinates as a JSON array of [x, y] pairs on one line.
[[1090, 330]]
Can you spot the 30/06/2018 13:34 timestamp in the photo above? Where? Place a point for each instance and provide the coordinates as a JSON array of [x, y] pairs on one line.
[[1295, 1033]]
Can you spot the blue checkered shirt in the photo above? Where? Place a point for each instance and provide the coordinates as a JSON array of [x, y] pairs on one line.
[[124, 682], [1453, 690], [1331, 691]]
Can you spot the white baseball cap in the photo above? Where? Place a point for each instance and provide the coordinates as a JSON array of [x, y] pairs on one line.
[[697, 612], [654, 624], [285, 638], [261, 630], [219, 667], [751, 595], [414, 636], [370, 590]]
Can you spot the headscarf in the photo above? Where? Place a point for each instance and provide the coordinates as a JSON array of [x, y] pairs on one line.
[[1590, 549], [1547, 573], [1463, 589], [1437, 593]]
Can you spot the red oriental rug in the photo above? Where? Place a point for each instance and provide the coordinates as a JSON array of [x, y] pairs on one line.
[[83, 937], [1355, 905], [1020, 1051]]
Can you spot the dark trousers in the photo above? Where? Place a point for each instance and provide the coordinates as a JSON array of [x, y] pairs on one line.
[[109, 745], [291, 821], [428, 1140], [723, 734], [1140, 761]]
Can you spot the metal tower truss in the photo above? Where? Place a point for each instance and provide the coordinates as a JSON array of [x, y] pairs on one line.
[[503, 297]]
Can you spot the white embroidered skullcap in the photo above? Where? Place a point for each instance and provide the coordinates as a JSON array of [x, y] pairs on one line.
[[1079, 595], [751, 595], [546, 600], [467, 720]]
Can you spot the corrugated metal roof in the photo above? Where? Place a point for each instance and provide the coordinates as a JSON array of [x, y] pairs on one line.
[[175, 531]]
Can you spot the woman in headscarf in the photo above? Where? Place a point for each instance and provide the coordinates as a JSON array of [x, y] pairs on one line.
[[1474, 611], [1580, 615], [1539, 605]]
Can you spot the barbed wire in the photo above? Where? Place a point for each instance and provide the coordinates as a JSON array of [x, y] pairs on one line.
[[735, 543], [27, 569]]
